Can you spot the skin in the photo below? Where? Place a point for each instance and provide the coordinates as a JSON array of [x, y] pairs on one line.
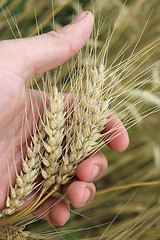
[[20, 59]]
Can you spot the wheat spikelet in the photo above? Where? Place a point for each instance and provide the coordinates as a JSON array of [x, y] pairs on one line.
[[13, 233]]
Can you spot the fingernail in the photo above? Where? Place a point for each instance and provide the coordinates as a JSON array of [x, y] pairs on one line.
[[95, 171], [87, 195], [80, 17]]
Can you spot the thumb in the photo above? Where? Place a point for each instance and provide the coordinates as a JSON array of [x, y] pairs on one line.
[[40, 53]]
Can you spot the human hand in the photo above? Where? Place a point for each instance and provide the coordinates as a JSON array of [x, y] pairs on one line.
[[20, 59]]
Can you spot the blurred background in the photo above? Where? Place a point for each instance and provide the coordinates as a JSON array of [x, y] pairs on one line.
[[132, 212]]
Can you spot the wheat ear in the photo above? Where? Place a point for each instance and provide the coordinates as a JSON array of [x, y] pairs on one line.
[[25, 180], [53, 126]]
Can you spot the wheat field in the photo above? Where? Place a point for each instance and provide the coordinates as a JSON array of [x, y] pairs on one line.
[[118, 71]]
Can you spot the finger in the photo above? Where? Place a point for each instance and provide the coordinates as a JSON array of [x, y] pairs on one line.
[[92, 168], [116, 136], [80, 193], [54, 210], [44, 52]]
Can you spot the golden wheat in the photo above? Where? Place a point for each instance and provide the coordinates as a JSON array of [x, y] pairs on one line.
[[85, 118]]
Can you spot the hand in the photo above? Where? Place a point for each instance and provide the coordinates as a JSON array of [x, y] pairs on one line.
[[20, 59]]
